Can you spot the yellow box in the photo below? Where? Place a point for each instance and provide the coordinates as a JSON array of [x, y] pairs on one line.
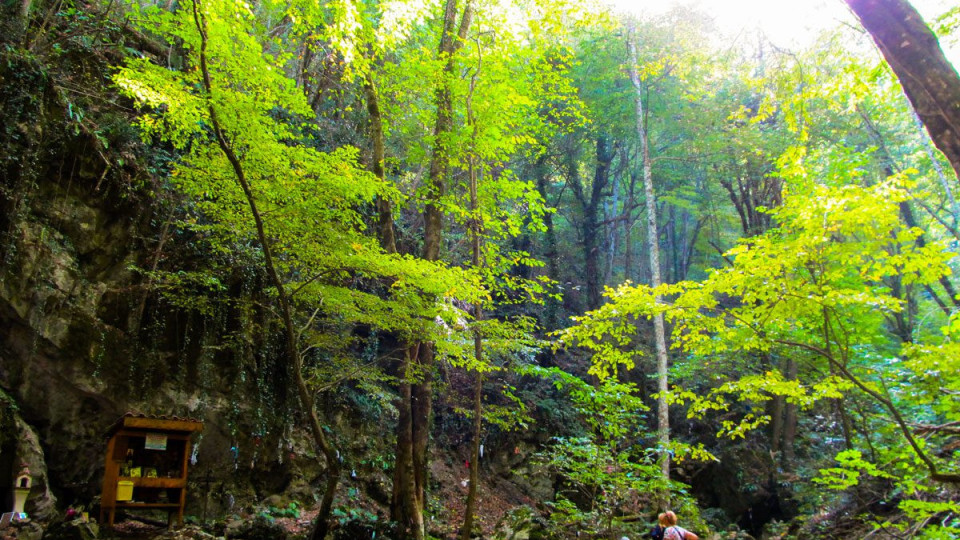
[[124, 490]]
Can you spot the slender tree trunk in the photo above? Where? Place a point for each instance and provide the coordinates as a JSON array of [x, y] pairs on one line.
[[552, 315], [25, 6], [476, 239], [591, 227], [790, 421], [290, 334], [673, 243], [476, 234], [385, 229], [403, 503], [628, 227], [421, 392], [653, 247], [775, 410], [474, 487], [404, 507], [613, 235]]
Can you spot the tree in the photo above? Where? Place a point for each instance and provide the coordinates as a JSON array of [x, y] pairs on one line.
[[252, 176], [811, 287], [653, 251], [913, 52], [413, 431]]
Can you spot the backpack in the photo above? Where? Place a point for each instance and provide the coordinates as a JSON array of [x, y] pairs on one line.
[[657, 533]]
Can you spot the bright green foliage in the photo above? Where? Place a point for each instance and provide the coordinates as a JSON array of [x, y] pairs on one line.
[[310, 199], [755, 390], [924, 511], [851, 467], [813, 287]]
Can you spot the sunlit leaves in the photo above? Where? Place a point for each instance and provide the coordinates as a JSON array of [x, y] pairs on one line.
[[820, 273], [310, 200], [851, 467]]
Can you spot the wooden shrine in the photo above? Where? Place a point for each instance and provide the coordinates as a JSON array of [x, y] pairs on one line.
[[146, 466]]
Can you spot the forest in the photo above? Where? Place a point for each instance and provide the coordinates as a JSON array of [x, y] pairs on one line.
[[454, 269]]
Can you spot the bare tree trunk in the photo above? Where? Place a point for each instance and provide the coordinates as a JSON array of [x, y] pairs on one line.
[[653, 247], [404, 506], [628, 226], [928, 78], [474, 487], [775, 410], [790, 421], [590, 227], [385, 230], [552, 315], [476, 232], [613, 234], [403, 503]]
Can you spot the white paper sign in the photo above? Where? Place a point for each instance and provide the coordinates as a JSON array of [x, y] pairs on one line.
[[155, 442]]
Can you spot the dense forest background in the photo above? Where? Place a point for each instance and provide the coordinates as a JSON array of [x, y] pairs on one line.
[[485, 268]]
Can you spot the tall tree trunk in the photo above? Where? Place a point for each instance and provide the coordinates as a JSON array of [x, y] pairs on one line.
[[474, 487], [290, 335], [653, 248], [476, 238], [613, 234], [590, 224], [775, 411], [928, 78], [592, 234], [552, 311], [403, 502], [25, 6], [790, 420], [628, 228], [385, 231], [476, 232], [421, 392]]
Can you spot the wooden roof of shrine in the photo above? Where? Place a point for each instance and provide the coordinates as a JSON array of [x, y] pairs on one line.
[[141, 421]]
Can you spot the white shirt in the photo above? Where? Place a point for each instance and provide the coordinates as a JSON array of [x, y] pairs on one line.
[[674, 533]]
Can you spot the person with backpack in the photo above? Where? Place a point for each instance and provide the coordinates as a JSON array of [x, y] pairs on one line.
[[667, 529]]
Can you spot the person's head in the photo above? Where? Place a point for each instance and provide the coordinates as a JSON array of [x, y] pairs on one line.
[[667, 519]]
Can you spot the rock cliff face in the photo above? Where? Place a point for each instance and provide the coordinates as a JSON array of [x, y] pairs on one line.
[[83, 338]]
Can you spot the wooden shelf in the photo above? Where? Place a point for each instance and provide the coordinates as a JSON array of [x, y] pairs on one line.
[[145, 505], [160, 482]]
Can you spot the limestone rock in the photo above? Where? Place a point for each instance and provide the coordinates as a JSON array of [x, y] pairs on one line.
[[41, 503], [521, 523], [255, 529]]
